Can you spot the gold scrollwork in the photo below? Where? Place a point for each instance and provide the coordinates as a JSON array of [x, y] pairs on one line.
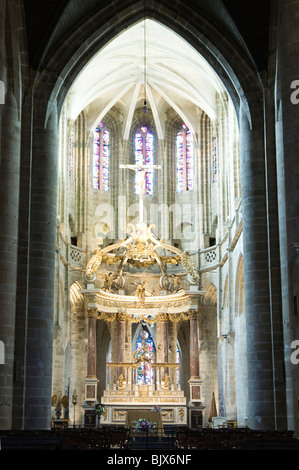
[[121, 316], [189, 265], [171, 259], [94, 263], [108, 259]]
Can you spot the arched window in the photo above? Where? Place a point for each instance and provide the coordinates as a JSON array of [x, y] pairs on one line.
[[184, 159], [145, 350], [144, 154], [101, 158]]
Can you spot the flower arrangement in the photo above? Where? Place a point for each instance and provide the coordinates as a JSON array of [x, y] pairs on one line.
[[156, 408], [143, 425]]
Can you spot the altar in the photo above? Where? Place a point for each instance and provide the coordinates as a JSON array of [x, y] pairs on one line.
[[145, 368], [126, 394]]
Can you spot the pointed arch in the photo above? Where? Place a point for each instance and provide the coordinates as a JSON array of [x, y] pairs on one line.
[[235, 69], [75, 293]]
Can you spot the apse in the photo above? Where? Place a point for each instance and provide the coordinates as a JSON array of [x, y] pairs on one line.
[[148, 182]]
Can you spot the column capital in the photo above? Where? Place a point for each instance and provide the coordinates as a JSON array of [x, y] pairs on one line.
[[92, 311], [121, 316], [163, 317], [193, 314]]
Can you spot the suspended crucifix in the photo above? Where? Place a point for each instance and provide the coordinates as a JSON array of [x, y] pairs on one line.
[[140, 169]]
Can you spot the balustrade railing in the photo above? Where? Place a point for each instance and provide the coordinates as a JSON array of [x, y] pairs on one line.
[[71, 255]]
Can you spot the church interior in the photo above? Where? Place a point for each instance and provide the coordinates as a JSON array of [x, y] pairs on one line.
[[149, 223]]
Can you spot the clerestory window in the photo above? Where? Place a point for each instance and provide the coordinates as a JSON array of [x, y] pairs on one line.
[[144, 154], [184, 160], [101, 158]]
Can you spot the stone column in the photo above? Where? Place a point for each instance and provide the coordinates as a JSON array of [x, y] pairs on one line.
[[195, 381], [164, 339], [256, 271], [275, 286], [91, 379], [163, 345], [121, 343], [9, 207], [287, 145], [41, 272], [78, 357], [172, 351], [91, 356], [194, 357]]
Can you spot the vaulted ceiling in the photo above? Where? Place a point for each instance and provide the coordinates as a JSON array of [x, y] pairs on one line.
[[176, 76], [246, 21]]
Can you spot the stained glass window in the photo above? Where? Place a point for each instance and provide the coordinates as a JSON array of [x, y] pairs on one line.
[[144, 154], [180, 161], [145, 348], [101, 158], [214, 157], [184, 159]]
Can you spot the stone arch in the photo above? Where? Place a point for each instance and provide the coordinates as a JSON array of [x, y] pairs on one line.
[[57, 72], [225, 58], [210, 294]]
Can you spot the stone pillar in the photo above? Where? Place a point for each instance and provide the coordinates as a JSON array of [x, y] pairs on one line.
[[41, 272], [164, 339], [2, 62], [172, 350], [78, 356], [275, 286], [194, 357], [287, 145], [163, 344], [91, 357], [121, 340], [194, 382], [91, 379], [256, 271], [9, 207]]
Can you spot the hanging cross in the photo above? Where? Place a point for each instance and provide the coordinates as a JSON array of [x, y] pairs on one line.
[[140, 170]]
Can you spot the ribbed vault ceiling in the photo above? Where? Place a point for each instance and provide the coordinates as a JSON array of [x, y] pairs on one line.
[[175, 74]]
